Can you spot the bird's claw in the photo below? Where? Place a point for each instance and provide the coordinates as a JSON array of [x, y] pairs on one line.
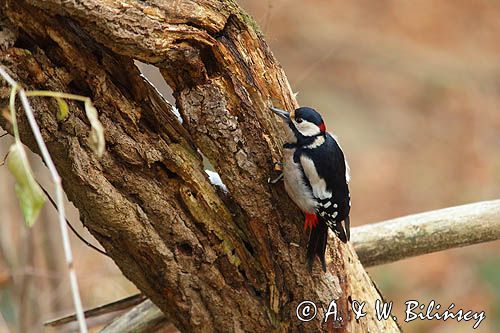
[[275, 180]]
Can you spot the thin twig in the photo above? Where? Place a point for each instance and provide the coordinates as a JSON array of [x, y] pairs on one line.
[[59, 198], [7, 77], [4, 159], [80, 237], [44, 93], [114, 306]]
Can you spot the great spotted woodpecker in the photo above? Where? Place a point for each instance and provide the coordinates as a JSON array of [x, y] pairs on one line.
[[316, 178]]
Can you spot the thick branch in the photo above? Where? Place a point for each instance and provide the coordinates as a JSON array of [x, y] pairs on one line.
[[405, 237], [428, 232], [210, 261]]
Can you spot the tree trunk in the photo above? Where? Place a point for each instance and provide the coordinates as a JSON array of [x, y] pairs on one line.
[[211, 261]]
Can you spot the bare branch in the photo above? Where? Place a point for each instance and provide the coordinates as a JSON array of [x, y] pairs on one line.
[[145, 317], [428, 232], [118, 305]]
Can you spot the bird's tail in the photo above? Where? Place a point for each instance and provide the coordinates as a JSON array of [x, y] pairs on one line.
[[343, 233], [317, 244], [318, 239]]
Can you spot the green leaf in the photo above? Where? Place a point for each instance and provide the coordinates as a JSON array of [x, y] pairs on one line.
[[63, 112], [96, 137], [30, 195]]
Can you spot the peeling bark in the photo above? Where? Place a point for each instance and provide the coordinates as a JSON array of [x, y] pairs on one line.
[[212, 262]]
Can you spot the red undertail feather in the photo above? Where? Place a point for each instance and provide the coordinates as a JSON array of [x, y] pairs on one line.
[[311, 221]]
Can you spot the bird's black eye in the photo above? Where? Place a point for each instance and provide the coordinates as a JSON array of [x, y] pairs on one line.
[[299, 120]]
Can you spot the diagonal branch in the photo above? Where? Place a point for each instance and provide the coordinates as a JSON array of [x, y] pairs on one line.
[[211, 262], [145, 317], [118, 305]]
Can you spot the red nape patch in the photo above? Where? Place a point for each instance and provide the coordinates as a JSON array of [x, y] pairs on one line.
[[322, 127], [311, 221]]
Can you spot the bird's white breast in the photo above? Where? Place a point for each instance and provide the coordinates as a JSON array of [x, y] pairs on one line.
[[295, 185]]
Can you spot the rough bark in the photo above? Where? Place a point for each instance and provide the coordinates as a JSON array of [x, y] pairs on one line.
[[210, 261], [375, 244]]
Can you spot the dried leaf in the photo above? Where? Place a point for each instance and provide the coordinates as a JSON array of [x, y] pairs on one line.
[[30, 195], [96, 137]]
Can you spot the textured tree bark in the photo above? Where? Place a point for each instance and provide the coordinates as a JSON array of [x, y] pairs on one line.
[[211, 261], [375, 244]]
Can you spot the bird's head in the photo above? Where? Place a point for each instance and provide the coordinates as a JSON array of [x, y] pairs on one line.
[[304, 122]]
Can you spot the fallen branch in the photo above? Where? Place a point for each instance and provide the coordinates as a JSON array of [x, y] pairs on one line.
[[433, 231], [145, 317]]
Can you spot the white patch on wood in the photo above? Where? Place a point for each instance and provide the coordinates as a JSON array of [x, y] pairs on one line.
[[216, 180], [318, 184]]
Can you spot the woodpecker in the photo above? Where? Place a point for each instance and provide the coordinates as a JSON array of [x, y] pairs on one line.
[[316, 177]]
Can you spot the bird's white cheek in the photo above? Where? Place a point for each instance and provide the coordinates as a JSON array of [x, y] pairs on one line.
[[307, 129]]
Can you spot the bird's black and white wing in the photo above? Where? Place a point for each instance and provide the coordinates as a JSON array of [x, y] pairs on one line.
[[325, 174]]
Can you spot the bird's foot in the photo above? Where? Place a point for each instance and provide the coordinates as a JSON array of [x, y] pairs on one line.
[[278, 166], [275, 180]]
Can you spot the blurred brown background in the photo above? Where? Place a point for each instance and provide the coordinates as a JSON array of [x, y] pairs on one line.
[[412, 89]]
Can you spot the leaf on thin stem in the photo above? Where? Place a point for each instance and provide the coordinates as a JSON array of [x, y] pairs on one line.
[[96, 136], [30, 195], [63, 111]]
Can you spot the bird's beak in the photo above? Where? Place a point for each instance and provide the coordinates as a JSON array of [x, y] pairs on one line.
[[283, 114]]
